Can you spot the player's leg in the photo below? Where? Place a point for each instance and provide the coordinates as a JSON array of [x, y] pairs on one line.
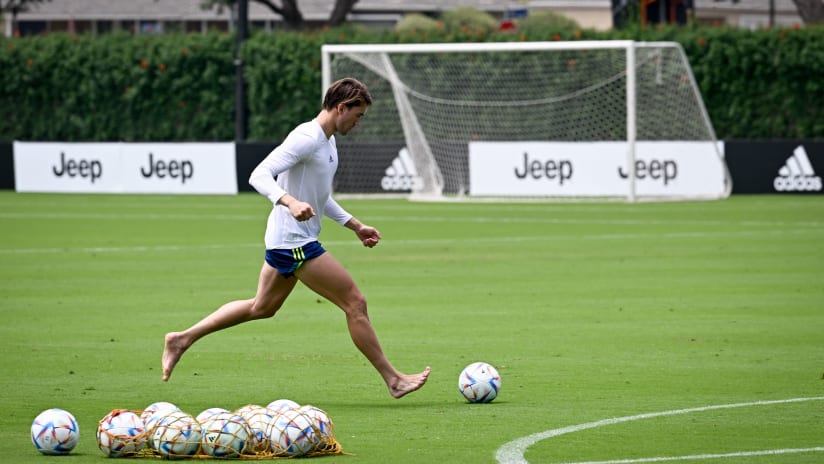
[[328, 278], [272, 290]]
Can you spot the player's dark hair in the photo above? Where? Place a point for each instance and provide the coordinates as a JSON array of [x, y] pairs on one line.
[[349, 91]]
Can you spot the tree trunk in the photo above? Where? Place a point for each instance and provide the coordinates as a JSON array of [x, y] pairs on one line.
[[342, 8], [811, 11], [288, 10]]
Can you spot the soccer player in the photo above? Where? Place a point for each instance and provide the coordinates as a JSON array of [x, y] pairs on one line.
[[304, 165]]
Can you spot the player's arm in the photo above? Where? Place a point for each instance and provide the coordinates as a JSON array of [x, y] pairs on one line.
[[368, 235], [300, 210], [263, 177]]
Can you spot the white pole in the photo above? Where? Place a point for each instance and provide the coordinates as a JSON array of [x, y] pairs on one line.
[[631, 119], [325, 70]]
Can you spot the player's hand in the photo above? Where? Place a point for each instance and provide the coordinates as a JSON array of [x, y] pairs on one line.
[[301, 211], [369, 236]]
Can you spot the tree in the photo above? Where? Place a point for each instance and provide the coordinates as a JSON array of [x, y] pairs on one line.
[[339, 12], [811, 11], [289, 10], [16, 7]]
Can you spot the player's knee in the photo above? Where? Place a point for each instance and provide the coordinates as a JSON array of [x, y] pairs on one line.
[[356, 305], [263, 310]]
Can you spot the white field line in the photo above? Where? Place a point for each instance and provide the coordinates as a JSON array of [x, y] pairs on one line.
[[513, 451], [709, 456], [415, 242]]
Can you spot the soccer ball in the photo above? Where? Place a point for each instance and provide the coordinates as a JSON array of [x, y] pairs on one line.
[[225, 435], [207, 413], [121, 433], [479, 382], [322, 424], [244, 409], [55, 431], [153, 413], [154, 408], [176, 435], [258, 419], [291, 434], [282, 405]]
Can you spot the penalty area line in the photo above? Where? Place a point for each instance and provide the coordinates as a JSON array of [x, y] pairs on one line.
[[513, 451]]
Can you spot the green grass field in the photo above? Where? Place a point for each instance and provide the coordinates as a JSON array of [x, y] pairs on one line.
[[590, 311]]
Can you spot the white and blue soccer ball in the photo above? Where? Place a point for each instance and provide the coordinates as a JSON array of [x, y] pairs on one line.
[[292, 434], [121, 433], [55, 431], [209, 412], [324, 428], [479, 382], [258, 418], [246, 408], [282, 405], [157, 407], [152, 414], [225, 435], [176, 435]]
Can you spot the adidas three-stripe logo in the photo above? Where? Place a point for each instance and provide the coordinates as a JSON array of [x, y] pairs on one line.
[[797, 174], [401, 175]]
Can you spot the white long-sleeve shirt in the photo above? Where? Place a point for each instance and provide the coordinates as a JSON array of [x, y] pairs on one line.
[[304, 164]]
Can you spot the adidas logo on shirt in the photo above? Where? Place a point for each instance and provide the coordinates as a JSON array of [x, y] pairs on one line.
[[797, 174], [402, 175]]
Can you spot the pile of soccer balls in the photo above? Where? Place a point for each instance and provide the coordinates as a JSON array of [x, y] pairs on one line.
[[283, 428]]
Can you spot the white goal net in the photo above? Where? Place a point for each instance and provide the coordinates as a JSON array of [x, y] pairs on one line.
[[528, 119]]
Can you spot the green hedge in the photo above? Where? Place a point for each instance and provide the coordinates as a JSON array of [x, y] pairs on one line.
[[117, 87], [766, 84], [756, 84]]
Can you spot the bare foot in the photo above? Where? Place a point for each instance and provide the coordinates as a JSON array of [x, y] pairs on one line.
[[408, 383], [173, 349]]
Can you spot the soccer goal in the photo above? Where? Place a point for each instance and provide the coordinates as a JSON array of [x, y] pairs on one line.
[[528, 119]]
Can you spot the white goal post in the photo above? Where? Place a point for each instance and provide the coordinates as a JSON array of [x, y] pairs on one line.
[[528, 120]]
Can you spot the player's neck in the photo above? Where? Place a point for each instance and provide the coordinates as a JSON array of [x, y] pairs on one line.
[[326, 119]]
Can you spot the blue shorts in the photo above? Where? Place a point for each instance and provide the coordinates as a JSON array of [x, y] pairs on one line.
[[288, 261]]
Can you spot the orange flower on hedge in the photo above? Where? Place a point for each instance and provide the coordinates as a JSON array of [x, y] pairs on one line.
[[181, 103], [144, 64], [702, 41], [161, 67], [556, 37], [185, 52], [577, 34], [29, 62]]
